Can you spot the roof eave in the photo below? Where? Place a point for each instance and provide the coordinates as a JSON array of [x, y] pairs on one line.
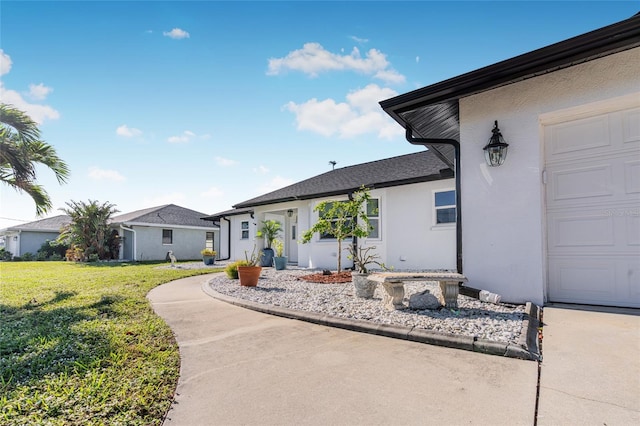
[[612, 39]]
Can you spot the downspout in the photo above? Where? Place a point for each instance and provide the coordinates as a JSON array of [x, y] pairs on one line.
[[228, 239], [426, 142], [134, 240]]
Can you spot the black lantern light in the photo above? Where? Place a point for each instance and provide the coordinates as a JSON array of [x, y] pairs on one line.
[[495, 152], [289, 212]]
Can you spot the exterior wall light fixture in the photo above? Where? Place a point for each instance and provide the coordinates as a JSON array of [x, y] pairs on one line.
[[289, 212], [495, 152]]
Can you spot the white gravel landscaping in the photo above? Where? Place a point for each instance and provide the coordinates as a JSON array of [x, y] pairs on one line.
[[502, 323]]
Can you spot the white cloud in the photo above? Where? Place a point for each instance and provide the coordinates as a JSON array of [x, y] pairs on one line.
[[263, 170], [359, 40], [96, 173], [225, 162], [39, 91], [275, 183], [212, 192], [38, 113], [128, 132], [5, 63], [359, 115], [176, 33], [185, 137], [313, 59]]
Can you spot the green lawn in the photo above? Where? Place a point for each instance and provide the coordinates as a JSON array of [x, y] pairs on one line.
[[80, 344]]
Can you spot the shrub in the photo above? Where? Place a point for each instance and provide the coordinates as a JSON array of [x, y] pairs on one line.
[[93, 257], [232, 270], [28, 257], [5, 254], [49, 248]]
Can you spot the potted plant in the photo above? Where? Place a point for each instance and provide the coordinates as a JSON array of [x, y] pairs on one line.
[[269, 231], [279, 261], [363, 256], [249, 270], [208, 256]]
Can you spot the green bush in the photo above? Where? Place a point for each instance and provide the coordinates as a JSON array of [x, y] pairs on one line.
[[28, 257], [50, 248], [232, 270], [5, 254]]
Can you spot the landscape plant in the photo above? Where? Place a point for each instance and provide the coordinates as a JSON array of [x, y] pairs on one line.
[[88, 233], [21, 151], [81, 345], [342, 219]]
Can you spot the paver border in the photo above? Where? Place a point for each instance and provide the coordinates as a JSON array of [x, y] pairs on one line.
[[526, 349]]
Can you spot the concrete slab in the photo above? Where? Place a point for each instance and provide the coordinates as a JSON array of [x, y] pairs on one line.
[[590, 367], [241, 367]]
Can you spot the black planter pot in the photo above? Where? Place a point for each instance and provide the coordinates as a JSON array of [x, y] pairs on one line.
[[267, 257]]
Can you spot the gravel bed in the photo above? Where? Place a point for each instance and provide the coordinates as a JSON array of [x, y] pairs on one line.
[[486, 321]]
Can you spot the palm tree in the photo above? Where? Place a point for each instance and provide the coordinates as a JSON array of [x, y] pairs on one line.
[[21, 150], [89, 229]]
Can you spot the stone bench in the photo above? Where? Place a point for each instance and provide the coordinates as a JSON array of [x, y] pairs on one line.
[[393, 283]]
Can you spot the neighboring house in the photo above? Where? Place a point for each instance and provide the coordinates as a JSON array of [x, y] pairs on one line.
[[414, 220], [559, 221], [151, 233], [29, 237]]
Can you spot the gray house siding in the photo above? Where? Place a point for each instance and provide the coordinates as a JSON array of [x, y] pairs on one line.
[[30, 242], [149, 245]]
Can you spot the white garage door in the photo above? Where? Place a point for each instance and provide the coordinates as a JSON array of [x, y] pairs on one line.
[[593, 209]]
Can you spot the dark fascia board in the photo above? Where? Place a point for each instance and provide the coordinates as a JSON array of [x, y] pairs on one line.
[[343, 192], [218, 216], [605, 41]]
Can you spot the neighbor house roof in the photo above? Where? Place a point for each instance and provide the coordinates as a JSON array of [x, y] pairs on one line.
[[432, 111], [405, 169], [50, 224], [168, 214]]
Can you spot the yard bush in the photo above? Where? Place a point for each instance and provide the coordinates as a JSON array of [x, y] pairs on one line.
[[232, 270]]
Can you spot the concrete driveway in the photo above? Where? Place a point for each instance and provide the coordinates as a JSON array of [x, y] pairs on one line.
[[241, 367]]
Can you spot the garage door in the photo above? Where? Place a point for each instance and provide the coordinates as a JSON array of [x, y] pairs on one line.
[[592, 177]]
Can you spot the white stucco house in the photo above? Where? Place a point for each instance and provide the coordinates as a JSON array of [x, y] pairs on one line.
[[559, 220], [29, 237], [149, 234], [413, 197]]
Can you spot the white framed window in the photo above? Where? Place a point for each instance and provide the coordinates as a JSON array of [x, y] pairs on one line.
[[208, 242], [328, 235], [373, 213], [167, 236], [244, 230], [444, 204]]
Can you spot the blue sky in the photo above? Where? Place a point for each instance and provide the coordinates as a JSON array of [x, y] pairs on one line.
[[206, 104]]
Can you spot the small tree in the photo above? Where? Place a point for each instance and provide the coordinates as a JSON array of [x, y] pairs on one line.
[[88, 233], [342, 220]]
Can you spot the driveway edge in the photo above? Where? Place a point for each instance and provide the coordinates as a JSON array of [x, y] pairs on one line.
[[526, 349]]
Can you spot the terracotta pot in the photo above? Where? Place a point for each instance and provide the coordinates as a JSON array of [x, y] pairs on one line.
[[249, 275]]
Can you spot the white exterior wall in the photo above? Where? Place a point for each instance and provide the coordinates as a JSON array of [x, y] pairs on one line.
[[407, 230], [502, 207]]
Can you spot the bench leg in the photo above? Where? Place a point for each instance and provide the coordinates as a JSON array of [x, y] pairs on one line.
[[449, 294], [394, 295]]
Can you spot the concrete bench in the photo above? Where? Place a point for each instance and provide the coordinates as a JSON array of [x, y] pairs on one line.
[[393, 283]]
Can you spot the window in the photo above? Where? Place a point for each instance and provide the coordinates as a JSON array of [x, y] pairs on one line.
[[244, 227], [373, 213], [324, 214], [445, 207], [208, 242], [167, 236]]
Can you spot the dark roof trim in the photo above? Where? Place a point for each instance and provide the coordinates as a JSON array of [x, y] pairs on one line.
[[445, 174], [605, 41], [235, 212]]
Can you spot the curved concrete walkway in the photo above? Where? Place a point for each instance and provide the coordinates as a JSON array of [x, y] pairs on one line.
[[241, 367]]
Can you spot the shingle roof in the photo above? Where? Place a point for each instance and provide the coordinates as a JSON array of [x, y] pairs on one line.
[[405, 169], [50, 224], [168, 214]]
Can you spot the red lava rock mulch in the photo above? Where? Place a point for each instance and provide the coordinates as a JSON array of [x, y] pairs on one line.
[[334, 278]]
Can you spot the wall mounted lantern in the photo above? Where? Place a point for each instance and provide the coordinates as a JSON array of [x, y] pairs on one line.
[[289, 212], [495, 152]]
